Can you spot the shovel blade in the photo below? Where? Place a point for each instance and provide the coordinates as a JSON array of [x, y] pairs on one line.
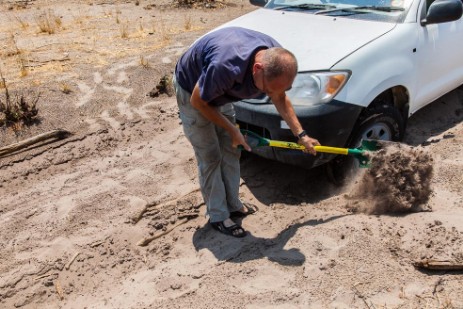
[[370, 145]]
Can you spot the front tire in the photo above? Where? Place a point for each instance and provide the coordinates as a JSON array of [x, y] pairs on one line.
[[380, 122]]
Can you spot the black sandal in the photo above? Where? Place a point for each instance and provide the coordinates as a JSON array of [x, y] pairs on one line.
[[251, 210], [230, 230]]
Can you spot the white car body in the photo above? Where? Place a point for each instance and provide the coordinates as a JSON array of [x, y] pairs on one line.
[[397, 59], [380, 55]]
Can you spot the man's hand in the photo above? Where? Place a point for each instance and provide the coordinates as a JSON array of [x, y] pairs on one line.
[[238, 139], [309, 144]]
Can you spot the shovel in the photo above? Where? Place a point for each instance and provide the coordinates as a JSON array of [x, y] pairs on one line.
[[360, 153]]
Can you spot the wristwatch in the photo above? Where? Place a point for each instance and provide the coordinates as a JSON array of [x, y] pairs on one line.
[[302, 134]]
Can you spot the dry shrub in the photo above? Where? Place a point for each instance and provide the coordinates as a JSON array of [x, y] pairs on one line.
[[18, 110], [163, 87], [65, 88], [197, 3]]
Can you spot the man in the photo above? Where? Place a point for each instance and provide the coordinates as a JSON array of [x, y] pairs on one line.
[[222, 67]]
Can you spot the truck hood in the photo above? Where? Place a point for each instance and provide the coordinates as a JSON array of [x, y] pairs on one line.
[[317, 41]]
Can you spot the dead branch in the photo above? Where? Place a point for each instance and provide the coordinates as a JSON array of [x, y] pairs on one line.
[[156, 205], [147, 240], [56, 134], [59, 290], [37, 63], [44, 276], [438, 265], [68, 265]]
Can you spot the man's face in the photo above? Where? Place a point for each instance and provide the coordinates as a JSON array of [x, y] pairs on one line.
[[276, 86]]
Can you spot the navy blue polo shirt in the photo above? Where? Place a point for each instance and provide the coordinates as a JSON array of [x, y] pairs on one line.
[[221, 63]]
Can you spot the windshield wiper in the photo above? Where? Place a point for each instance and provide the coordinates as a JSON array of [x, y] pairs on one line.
[[307, 6], [362, 8]]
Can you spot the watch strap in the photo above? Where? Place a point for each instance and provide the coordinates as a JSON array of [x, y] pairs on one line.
[[302, 134]]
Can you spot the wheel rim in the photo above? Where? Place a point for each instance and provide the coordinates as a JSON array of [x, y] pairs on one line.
[[378, 131]]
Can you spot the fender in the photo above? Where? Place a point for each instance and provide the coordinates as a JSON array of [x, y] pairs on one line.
[[379, 66]]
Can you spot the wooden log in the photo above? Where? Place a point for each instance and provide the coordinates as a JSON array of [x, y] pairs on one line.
[[56, 134], [438, 265]]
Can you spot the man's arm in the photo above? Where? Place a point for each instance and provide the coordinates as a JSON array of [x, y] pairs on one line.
[[286, 110], [213, 114]]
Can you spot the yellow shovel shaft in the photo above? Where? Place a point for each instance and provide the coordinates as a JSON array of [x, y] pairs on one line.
[[326, 149], [335, 150], [282, 144]]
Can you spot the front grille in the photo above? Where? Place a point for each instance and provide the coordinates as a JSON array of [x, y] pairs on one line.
[[256, 129]]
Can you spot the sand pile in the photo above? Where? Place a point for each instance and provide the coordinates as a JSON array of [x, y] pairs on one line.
[[398, 181]]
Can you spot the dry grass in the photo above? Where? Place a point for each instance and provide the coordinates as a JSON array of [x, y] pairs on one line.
[[162, 30], [65, 88], [100, 39], [23, 24], [48, 22], [12, 50], [22, 62], [11, 47], [187, 23], [124, 30], [144, 62]]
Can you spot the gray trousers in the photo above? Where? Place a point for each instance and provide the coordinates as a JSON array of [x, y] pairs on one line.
[[218, 162]]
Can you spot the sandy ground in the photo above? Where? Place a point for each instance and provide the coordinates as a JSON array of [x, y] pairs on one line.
[[74, 212]]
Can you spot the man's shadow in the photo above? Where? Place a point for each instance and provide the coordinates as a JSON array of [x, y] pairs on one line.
[[239, 250]]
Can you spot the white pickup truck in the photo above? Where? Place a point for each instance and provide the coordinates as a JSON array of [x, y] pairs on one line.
[[365, 66]]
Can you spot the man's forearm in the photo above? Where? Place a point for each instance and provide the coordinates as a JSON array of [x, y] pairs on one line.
[[210, 112], [215, 116], [286, 110]]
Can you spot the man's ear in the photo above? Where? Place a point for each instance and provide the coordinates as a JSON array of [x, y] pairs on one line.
[[257, 67]]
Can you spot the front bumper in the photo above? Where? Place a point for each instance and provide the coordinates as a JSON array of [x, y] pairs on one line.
[[331, 123]]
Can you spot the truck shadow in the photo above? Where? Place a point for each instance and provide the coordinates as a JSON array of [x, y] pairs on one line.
[[426, 125], [274, 182]]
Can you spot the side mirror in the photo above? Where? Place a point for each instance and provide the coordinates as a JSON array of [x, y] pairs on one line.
[[258, 2], [442, 11]]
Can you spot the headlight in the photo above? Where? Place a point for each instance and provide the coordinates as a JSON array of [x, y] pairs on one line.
[[316, 87]]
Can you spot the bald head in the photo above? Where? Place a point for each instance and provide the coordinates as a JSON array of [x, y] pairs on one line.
[[279, 62]]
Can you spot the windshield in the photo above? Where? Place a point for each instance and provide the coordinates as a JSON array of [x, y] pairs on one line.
[[381, 10]]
